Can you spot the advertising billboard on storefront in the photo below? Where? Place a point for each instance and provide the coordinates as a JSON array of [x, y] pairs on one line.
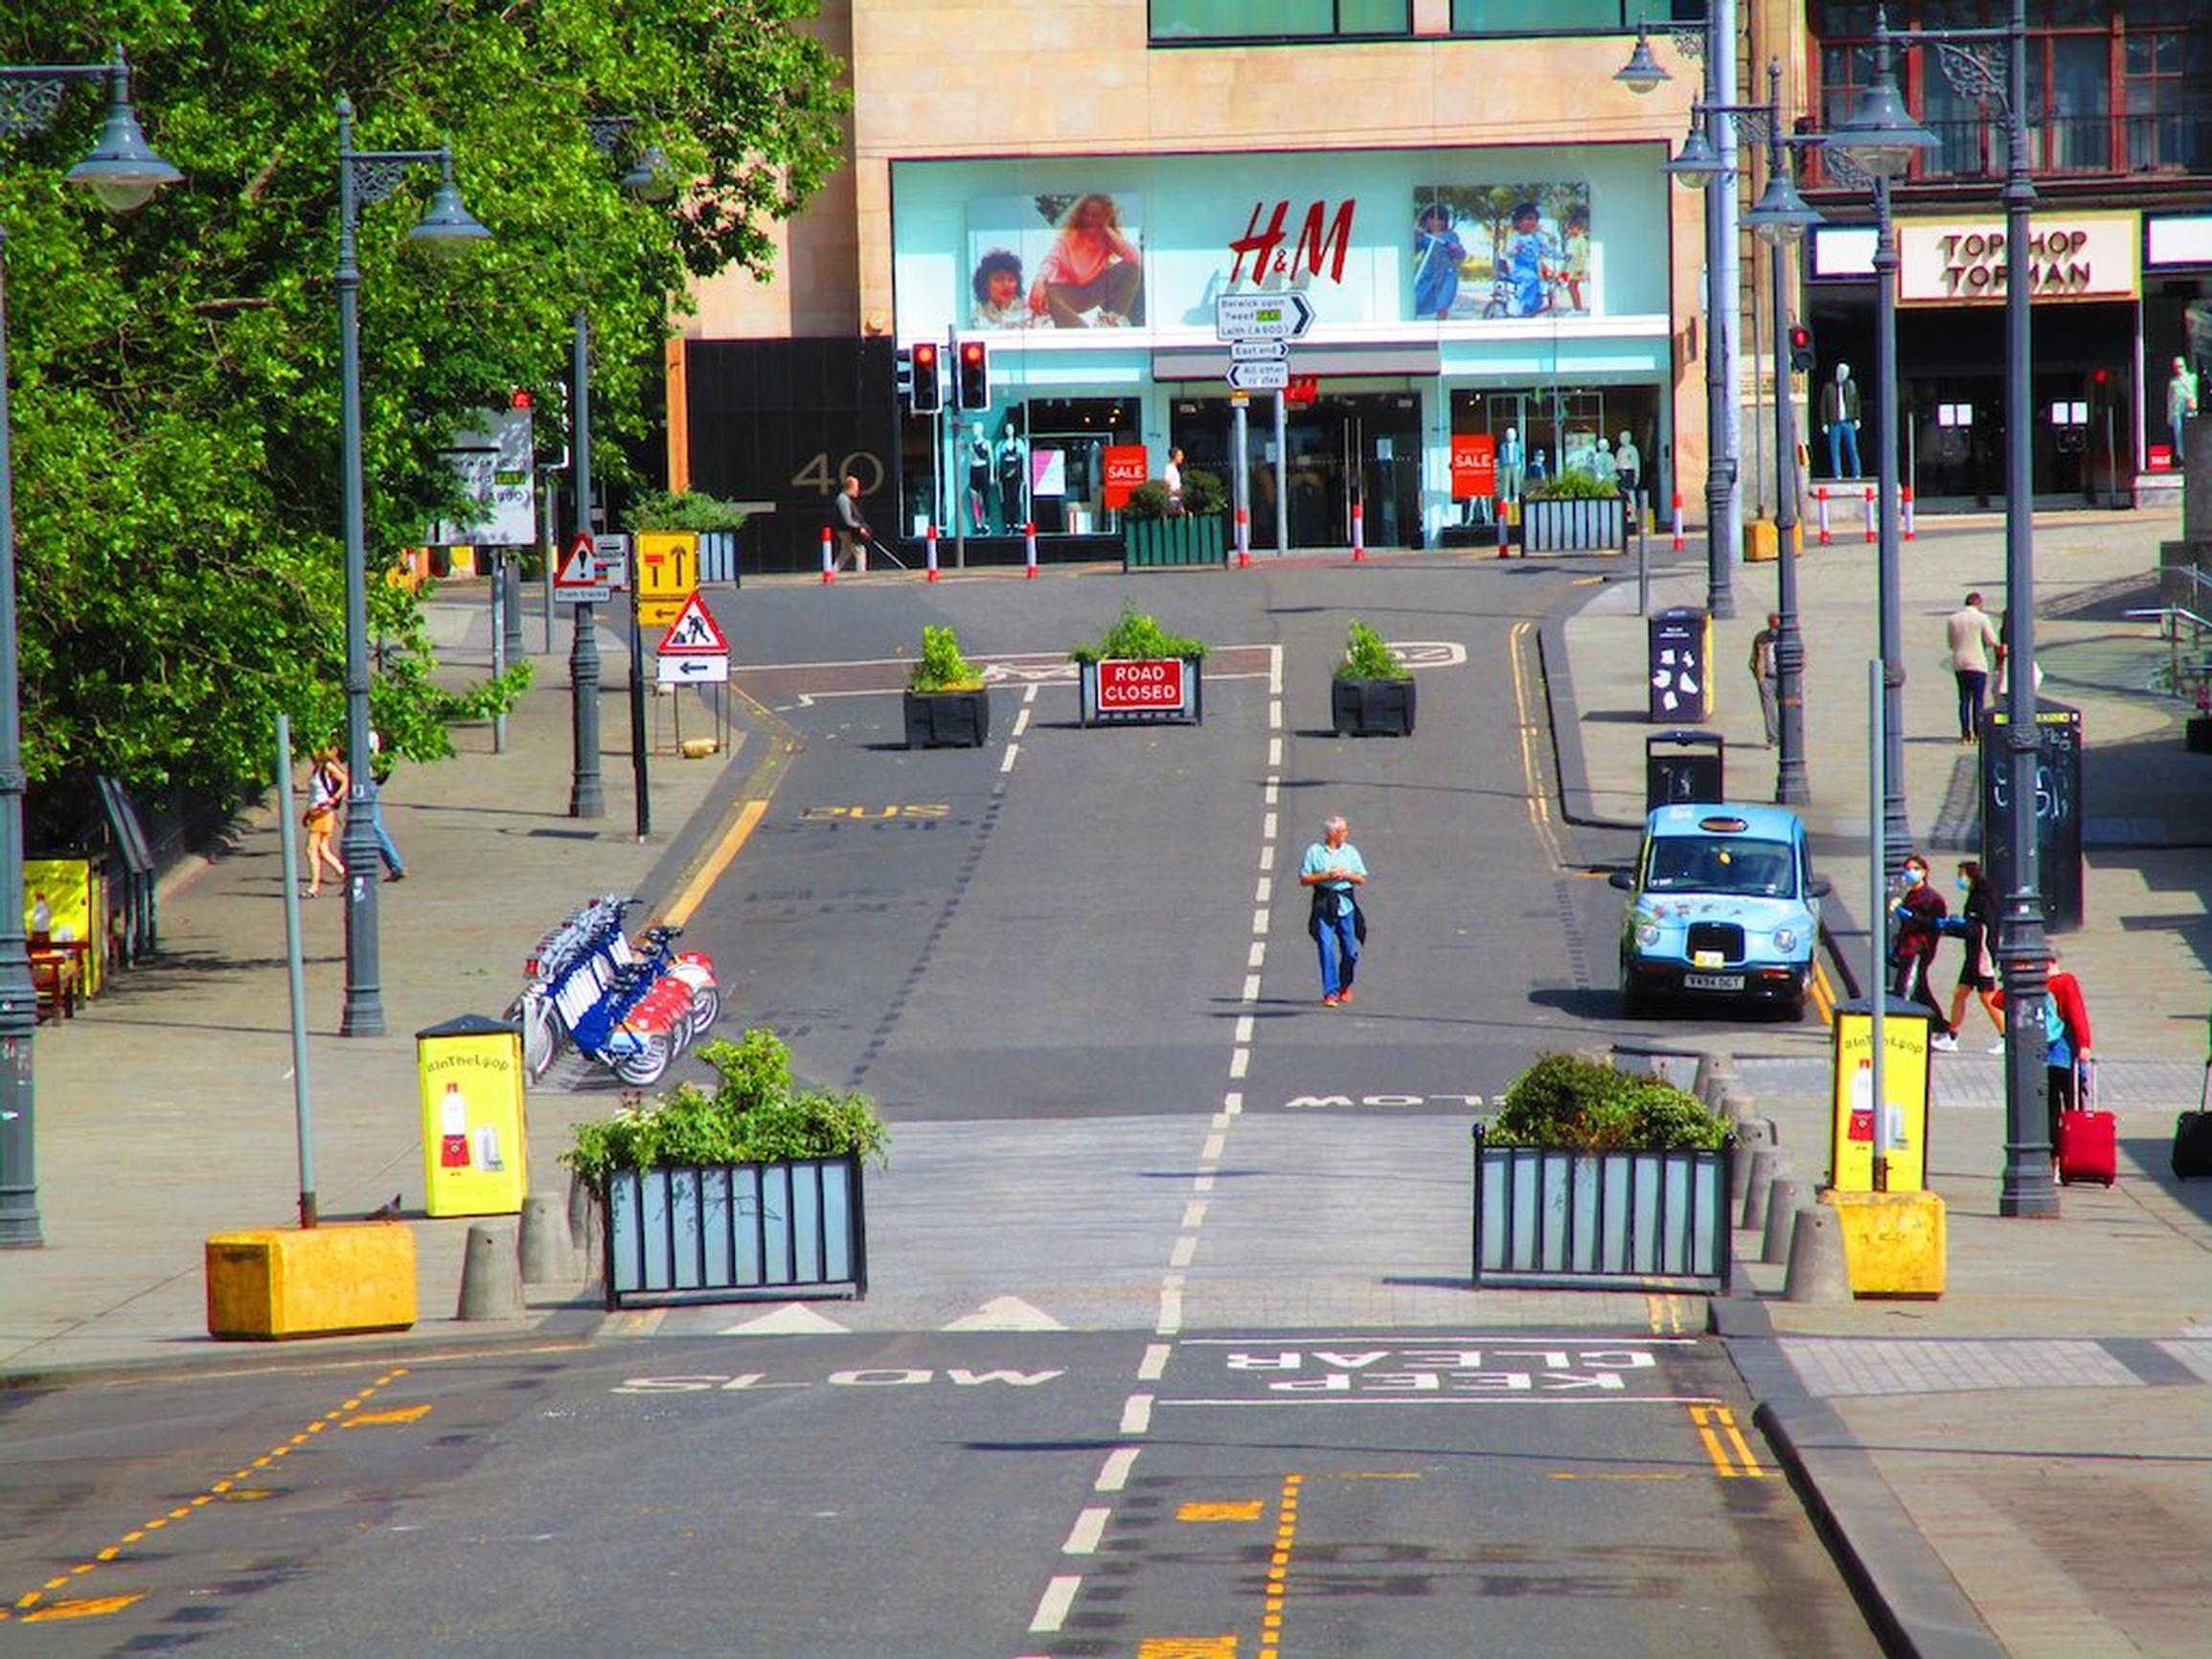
[[1055, 261], [1501, 250]]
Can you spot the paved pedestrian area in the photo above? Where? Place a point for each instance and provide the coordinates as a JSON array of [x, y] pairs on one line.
[[1834, 1367]]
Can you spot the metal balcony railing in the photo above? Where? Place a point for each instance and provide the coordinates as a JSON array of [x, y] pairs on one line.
[[2171, 141]]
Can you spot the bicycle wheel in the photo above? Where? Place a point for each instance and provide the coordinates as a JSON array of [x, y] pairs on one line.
[[539, 1044], [706, 1006], [645, 1064]]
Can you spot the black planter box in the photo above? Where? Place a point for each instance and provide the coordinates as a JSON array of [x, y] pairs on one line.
[[948, 719], [1371, 708]]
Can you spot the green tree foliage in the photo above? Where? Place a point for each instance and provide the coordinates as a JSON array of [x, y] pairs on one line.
[[175, 373]]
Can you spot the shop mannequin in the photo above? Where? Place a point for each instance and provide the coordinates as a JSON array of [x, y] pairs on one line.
[[1512, 465], [1603, 467], [1538, 469], [1840, 415], [2181, 407], [1627, 465], [1012, 467], [978, 479]]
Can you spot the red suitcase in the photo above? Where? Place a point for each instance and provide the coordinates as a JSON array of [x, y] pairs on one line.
[[2088, 1140]]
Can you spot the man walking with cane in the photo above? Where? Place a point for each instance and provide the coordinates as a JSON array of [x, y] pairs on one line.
[[853, 531]]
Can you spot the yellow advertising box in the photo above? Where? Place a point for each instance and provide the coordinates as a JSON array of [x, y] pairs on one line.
[[1899, 1129], [476, 1160], [63, 908]]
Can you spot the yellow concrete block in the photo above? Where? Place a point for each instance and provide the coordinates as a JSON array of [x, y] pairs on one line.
[[1893, 1242], [1761, 540], [287, 1282]]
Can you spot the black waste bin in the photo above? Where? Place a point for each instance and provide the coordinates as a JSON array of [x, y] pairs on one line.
[[2058, 809], [1691, 772], [1679, 661]]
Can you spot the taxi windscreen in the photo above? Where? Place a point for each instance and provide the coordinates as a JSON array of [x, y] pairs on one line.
[[1721, 864]]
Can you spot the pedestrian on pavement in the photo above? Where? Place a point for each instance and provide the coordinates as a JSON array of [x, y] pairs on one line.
[[1766, 674], [1919, 910], [2066, 1040], [851, 527], [1332, 868], [1972, 637], [394, 868], [326, 783], [1975, 925]]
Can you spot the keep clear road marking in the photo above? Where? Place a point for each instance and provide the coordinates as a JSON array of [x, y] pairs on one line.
[[1444, 1370]]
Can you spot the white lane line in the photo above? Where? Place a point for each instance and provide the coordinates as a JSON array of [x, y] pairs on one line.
[[1155, 1366], [1244, 1028], [1268, 827], [1260, 921], [1240, 1063], [1137, 1414], [1082, 1537], [1202, 1183], [1274, 753], [1114, 1473], [1257, 957], [1186, 1247], [1272, 786], [1267, 857], [1029, 693], [1232, 1103], [1021, 721], [1252, 987], [1265, 891], [1052, 1611], [1275, 671], [1012, 750], [1275, 713], [1194, 1214], [1211, 1151], [1170, 1320]]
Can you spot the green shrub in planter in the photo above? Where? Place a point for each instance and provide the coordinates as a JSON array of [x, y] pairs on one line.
[[1566, 1101], [1137, 637], [1368, 656], [1574, 486], [683, 510], [941, 668], [755, 1115], [1203, 494]]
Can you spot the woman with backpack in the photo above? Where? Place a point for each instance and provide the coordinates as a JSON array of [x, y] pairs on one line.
[[326, 785]]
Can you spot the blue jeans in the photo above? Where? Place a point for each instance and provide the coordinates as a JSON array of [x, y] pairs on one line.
[[1339, 954], [384, 848], [1842, 436]]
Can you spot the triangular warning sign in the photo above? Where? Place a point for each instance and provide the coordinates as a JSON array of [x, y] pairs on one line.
[[579, 569], [694, 634]]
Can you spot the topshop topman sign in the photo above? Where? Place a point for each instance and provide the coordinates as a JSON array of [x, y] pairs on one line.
[[2071, 257]]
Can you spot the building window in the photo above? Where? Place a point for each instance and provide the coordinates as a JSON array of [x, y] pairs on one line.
[[1179, 20], [2112, 88], [1569, 16]]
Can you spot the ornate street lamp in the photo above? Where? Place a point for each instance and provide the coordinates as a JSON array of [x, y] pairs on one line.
[[123, 171], [366, 177], [1880, 139]]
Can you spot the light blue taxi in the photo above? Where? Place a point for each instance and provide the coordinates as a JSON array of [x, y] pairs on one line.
[[1725, 906]]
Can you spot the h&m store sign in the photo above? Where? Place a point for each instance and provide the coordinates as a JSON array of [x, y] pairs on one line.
[[2071, 257]]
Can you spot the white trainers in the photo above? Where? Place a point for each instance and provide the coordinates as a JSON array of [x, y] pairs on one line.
[[1943, 1041], [1996, 1047]]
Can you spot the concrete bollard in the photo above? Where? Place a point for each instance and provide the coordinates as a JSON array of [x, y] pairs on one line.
[[580, 1205], [548, 1257], [1755, 1190], [1784, 1199], [1716, 1076], [1817, 1272], [490, 1275], [1751, 1134]]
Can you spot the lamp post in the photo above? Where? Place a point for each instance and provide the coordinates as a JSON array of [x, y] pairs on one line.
[[1712, 166], [1880, 138], [123, 173], [647, 179], [366, 177], [1780, 219]]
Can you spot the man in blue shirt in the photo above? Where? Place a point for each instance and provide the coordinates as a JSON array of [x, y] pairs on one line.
[[1332, 868]]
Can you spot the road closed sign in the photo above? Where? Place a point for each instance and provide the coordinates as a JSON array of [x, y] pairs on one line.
[[1142, 689]]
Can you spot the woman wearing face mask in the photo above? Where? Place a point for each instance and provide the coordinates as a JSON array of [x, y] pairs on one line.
[[1919, 910], [1975, 925]]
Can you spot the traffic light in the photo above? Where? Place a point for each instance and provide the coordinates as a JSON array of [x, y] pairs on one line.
[[1801, 353], [971, 386], [924, 394]]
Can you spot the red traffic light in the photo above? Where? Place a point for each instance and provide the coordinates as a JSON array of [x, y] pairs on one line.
[[972, 353], [926, 354], [2103, 376], [1800, 337]]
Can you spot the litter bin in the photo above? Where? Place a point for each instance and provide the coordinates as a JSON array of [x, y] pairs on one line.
[[2058, 810], [1680, 659], [1691, 772], [475, 1157]]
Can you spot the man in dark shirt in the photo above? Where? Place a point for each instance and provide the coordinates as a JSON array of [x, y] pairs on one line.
[[852, 532], [1919, 910]]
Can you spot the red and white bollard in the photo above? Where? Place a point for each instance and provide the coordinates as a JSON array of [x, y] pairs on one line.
[[828, 556], [931, 540], [1504, 531], [1358, 532], [1821, 496], [1906, 498], [1029, 550], [1678, 521], [1244, 537], [1868, 504]]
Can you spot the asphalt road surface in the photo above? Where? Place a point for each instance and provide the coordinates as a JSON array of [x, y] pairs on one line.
[[1169, 1349]]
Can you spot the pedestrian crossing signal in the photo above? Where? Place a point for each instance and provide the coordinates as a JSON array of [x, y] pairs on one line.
[[1801, 353]]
